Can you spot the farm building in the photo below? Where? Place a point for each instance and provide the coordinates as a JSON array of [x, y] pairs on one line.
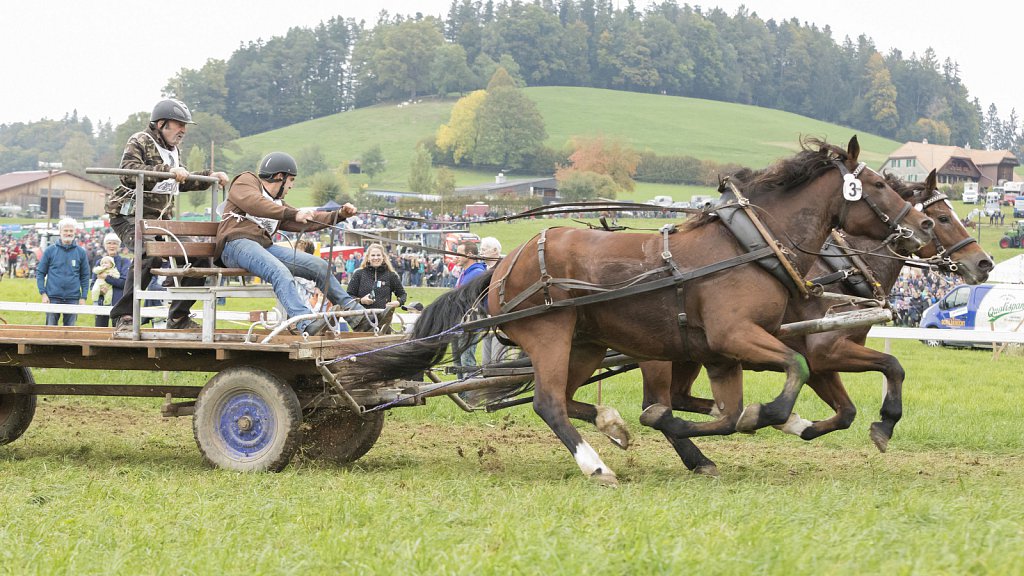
[[545, 188], [70, 195], [914, 160]]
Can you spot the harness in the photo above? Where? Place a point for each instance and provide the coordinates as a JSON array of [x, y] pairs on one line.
[[739, 217]]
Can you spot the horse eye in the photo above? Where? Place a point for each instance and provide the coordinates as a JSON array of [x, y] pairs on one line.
[[944, 219]]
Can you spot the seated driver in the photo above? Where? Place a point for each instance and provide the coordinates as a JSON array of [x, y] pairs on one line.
[[253, 212]]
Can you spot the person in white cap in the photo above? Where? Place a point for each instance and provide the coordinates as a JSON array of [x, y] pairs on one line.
[[112, 248]]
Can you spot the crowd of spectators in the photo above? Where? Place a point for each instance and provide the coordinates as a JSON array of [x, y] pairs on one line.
[[915, 291]]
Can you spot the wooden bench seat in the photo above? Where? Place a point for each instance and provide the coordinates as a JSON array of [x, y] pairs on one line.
[[181, 242]]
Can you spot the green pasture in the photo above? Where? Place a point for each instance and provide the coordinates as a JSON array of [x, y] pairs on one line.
[[704, 129]]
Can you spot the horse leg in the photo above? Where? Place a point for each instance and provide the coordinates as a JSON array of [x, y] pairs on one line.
[[550, 355], [683, 375], [661, 381], [727, 388], [760, 348], [848, 356], [829, 387], [584, 360]]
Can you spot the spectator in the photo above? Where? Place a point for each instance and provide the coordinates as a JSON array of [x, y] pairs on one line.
[[112, 248], [374, 284], [492, 350], [464, 347], [62, 274]]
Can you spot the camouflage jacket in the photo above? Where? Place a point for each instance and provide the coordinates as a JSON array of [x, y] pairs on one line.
[[140, 153]]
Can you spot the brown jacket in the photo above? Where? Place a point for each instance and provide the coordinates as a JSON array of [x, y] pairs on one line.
[[245, 197]]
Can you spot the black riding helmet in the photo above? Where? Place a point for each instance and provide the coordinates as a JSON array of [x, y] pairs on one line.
[[171, 109], [277, 163]]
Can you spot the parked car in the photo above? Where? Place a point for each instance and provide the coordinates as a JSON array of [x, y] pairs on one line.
[[970, 197]]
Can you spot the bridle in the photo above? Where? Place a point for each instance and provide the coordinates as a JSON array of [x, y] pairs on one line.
[[853, 190], [943, 256]]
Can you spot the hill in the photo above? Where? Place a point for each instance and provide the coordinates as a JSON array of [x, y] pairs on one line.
[[704, 129]]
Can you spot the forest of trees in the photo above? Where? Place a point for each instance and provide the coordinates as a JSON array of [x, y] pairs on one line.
[[666, 48]]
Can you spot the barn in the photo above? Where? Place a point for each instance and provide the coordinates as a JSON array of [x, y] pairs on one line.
[[54, 195]]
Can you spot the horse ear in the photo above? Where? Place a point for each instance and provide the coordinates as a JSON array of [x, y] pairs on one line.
[[853, 150], [932, 181]]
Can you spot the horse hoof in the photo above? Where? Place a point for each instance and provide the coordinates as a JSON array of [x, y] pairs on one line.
[[653, 414], [795, 425], [879, 437], [707, 470], [605, 479], [747, 423], [611, 424]]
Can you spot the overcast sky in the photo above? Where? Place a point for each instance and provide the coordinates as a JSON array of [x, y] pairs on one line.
[[110, 59]]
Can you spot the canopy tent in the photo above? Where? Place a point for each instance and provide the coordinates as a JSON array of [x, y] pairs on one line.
[[1010, 271], [331, 205]]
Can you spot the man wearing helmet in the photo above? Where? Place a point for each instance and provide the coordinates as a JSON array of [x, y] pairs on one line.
[[154, 149], [254, 211]]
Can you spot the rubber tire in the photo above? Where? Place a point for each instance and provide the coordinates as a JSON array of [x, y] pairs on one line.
[[339, 436], [16, 410], [263, 397], [1004, 242]]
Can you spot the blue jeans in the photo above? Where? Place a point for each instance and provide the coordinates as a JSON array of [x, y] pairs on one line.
[[69, 319], [279, 266]]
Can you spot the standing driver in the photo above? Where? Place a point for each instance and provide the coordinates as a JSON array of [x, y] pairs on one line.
[[156, 149], [254, 211]]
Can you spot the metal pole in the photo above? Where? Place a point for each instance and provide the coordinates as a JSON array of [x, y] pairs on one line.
[[49, 197], [137, 262]]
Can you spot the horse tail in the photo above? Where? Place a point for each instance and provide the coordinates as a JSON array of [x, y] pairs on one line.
[[435, 329]]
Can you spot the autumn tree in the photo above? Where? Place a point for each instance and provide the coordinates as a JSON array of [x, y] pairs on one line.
[[460, 135], [606, 156], [881, 96]]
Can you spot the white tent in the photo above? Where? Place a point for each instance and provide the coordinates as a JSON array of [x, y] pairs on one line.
[[1010, 271]]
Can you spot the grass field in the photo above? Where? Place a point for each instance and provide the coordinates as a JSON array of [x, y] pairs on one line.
[[107, 486]]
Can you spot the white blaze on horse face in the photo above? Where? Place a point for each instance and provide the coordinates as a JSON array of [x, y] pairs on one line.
[[588, 460]]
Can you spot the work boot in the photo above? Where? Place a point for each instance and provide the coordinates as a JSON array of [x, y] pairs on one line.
[[183, 323], [315, 327], [124, 325]]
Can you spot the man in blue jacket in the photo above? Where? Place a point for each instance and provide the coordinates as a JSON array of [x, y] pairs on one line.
[[464, 347], [62, 274]]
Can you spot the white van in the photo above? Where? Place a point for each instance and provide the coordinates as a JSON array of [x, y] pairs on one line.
[[984, 307], [970, 193]]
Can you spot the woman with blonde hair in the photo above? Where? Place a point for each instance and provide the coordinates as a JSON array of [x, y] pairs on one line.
[[375, 282]]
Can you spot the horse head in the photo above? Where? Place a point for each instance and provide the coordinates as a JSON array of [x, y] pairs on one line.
[[952, 246], [873, 208]]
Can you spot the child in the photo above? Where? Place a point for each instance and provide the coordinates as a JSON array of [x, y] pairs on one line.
[[104, 268]]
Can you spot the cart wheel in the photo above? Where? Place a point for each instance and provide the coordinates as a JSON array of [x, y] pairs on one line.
[[16, 410], [247, 419], [340, 436]]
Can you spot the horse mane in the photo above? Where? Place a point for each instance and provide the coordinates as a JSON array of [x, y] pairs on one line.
[[815, 157], [906, 190]]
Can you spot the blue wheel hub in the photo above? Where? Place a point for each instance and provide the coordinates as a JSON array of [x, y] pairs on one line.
[[245, 424]]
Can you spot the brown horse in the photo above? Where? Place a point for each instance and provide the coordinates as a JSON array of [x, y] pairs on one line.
[[669, 384], [722, 316]]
